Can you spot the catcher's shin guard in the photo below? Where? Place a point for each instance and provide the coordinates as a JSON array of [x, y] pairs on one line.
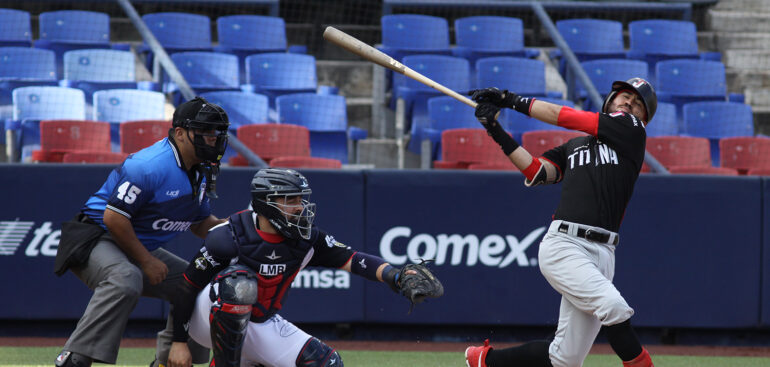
[[317, 354], [234, 292]]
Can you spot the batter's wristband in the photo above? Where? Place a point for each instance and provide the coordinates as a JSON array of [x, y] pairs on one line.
[[518, 103], [506, 142]]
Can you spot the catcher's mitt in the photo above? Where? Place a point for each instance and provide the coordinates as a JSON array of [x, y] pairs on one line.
[[416, 283]]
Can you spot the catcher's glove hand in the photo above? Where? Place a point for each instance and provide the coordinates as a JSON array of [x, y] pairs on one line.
[[416, 282]]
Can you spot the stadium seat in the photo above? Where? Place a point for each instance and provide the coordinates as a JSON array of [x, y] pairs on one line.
[[16, 29], [21, 67], [94, 157], [326, 118], [745, 153], [67, 30], [492, 167], [409, 34], [664, 123], [518, 123], [537, 142], [718, 119], [93, 70], [603, 72], [708, 170], [137, 135], [472, 35], [679, 151], [205, 72], [682, 81], [306, 162], [524, 76], [177, 32], [759, 172], [36, 103], [449, 71], [244, 35], [463, 147], [242, 108], [276, 74], [273, 140], [120, 105], [58, 137], [444, 113]]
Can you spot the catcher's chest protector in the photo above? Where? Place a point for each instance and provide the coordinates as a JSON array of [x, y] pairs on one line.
[[276, 264]]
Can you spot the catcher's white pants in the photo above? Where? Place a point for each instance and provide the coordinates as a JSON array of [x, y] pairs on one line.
[[581, 271], [274, 343]]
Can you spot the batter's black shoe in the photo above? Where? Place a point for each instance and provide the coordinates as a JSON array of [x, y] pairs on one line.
[[71, 359]]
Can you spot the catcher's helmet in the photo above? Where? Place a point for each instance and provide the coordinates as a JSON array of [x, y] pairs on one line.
[[204, 119], [269, 184], [642, 87]]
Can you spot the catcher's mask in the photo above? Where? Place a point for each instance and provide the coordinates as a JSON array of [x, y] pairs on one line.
[[642, 88], [294, 220], [203, 120]]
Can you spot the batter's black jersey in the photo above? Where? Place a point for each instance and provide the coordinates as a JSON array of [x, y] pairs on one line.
[[599, 172], [276, 260]]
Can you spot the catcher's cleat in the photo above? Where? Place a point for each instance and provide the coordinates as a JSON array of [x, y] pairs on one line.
[[476, 356]]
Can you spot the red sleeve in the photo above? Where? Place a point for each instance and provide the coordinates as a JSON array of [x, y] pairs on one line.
[[531, 171], [570, 118]]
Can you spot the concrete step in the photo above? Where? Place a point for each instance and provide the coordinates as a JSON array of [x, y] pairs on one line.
[[758, 98], [353, 78], [742, 40], [738, 81], [747, 59], [738, 21], [745, 5], [383, 153]]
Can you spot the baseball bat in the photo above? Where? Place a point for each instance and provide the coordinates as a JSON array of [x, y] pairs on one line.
[[370, 53]]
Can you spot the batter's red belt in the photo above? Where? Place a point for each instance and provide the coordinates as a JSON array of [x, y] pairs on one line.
[[590, 234]]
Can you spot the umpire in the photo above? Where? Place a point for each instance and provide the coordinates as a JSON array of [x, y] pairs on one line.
[[114, 243]]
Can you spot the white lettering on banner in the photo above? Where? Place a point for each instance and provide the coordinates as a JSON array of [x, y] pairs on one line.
[[322, 279], [171, 225], [12, 232], [48, 238], [489, 251]]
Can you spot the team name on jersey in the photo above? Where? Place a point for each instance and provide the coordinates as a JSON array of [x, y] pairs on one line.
[[271, 269], [582, 156], [171, 225]]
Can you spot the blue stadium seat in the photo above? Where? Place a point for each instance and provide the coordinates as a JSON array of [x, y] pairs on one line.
[[276, 74], [682, 81], [21, 67], [242, 109], [409, 34], [97, 69], [326, 118], [487, 36], [32, 104], [120, 105], [603, 72], [664, 123], [518, 123], [205, 72], [444, 112], [449, 71], [524, 76], [589, 39], [15, 28], [244, 35], [718, 119], [67, 30], [177, 32]]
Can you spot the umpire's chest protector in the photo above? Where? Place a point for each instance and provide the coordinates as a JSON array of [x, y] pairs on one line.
[[276, 263]]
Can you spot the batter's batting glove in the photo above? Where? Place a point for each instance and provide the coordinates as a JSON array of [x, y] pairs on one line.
[[502, 99], [487, 114]]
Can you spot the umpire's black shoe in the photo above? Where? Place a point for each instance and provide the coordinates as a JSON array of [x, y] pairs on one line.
[[71, 359]]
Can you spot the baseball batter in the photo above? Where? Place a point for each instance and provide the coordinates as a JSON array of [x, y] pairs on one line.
[[237, 283], [577, 254]]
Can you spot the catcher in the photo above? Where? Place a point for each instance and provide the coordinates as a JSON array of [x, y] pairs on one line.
[[233, 289]]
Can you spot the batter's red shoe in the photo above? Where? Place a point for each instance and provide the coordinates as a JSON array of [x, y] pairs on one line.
[[476, 356], [642, 360]]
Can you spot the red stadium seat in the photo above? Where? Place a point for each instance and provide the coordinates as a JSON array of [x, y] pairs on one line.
[[537, 142], [94, 157], [679, 151], [461, 147], [58, 137], [703, 170], [305, 162], [493, 166], [744, 153], [273, 140], [137, 135], [759, 172]]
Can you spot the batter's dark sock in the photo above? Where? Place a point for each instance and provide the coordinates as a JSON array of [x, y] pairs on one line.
[[532, 354], [623, 340]]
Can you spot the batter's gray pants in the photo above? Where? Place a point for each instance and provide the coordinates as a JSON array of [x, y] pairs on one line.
[[117, 284]]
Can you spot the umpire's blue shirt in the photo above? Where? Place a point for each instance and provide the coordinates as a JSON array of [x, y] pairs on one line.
[[153, 190]]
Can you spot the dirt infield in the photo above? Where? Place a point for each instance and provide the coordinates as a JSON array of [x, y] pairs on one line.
[[431, 346]]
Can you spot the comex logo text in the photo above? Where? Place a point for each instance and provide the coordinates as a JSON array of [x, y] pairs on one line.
[[45, 240]]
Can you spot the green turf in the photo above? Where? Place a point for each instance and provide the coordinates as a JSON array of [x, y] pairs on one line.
[[141, 357]]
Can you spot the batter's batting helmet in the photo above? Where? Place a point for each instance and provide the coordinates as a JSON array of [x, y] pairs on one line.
[[642, 87], [269, 184], [204, 118]]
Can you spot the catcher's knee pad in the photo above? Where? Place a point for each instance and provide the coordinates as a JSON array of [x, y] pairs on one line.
[[233, 293], [614, 310], [70, 359], [317, 354]]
